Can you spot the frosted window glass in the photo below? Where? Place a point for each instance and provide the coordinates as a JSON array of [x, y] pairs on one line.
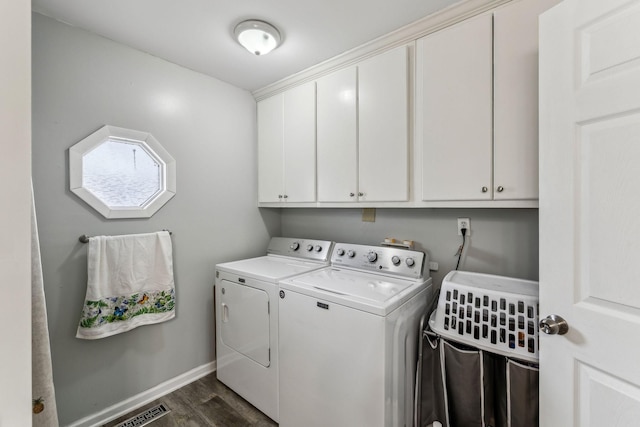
[[122, 173]]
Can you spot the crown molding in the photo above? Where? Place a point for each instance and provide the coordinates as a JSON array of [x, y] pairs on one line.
[[431, 23]]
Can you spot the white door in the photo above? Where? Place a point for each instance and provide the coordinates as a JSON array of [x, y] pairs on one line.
[[383, 127], [337, 137], [245, 320], [455, 110], [270, 156], [299, 139], [589, 206], [515, 97]]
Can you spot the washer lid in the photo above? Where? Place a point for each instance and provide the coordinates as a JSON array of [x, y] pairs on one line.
[[374, 293], [269, 268]]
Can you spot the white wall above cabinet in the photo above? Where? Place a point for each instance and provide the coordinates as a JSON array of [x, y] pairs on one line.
[[363, 131], [287, 146]]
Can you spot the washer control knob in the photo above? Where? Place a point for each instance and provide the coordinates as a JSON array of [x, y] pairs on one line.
[[318, 248], [340, 252], [410, 262], [351, 254], [309, 248], [372, 256], [395, 260], [294, 246]]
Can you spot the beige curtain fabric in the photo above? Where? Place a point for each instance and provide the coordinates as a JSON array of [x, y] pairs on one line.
[[45, 412]]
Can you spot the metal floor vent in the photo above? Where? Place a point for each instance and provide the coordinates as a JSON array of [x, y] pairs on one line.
[[146, 417]]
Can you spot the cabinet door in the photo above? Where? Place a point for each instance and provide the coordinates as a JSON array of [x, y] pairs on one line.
[[516, 99], [270, 158], [300, 143], [337, 137], [383, 127], [455, 109]]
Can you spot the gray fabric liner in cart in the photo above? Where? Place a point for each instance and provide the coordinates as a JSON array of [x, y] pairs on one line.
[[432, 405], [522, 394], [465, 387]]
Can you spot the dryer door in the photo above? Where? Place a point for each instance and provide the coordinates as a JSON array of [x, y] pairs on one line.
[[245, 320]]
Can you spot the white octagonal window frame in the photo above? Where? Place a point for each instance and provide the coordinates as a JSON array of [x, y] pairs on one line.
[[151, 150]]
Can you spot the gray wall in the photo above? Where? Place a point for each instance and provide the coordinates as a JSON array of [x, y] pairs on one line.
[[80, 83], [502, 241]]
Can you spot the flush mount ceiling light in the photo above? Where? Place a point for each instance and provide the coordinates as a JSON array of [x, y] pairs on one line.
[[258, 37]]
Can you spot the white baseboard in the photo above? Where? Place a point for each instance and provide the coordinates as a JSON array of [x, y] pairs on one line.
[[128, 405]]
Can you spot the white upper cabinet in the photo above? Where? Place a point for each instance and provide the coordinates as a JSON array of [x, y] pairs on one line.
[[337, 137], [383, 126], [472, 140], [270, 150], [287, 146], [454, 109], [363, 131], [515, 142], [300, 143], [477, 107]]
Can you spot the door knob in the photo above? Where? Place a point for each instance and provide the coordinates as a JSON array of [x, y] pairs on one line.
[[554, 325]]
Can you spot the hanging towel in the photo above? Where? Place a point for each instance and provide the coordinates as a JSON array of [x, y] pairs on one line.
[[45, 413], [130, 284]]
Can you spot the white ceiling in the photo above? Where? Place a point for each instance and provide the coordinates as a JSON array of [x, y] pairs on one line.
[[197, 34]]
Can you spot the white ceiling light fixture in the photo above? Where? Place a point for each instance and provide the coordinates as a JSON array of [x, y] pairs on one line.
[[258, 37]]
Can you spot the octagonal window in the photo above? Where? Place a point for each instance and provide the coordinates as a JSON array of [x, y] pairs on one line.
[[122, 173]]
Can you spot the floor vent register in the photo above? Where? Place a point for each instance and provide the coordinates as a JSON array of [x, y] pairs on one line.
[[146, 417]]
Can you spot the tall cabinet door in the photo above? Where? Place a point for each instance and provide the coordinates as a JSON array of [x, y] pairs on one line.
[[270, 158], [454, 78], [300, 143], [337, 137], [383, 127], [516, 99]]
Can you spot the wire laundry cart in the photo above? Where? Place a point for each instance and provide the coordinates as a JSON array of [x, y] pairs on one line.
[[478, 360]]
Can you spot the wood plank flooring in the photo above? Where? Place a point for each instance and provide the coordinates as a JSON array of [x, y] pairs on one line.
[[204, 403]]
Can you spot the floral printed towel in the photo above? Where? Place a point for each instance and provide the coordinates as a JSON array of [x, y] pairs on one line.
[[130, 284]]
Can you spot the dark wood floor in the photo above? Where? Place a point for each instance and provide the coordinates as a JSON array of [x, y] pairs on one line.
[[203, 403]]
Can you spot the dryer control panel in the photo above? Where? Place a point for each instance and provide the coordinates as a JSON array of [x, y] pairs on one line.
[[317, 250], [381, 259]]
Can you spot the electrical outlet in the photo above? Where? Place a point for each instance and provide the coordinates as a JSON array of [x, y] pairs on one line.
[[464, 223], [433, 266]]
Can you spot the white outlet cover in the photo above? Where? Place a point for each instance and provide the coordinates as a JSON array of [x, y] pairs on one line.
[[466, 221]]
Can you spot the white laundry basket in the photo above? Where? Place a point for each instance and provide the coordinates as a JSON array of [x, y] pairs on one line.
[[493, 313]]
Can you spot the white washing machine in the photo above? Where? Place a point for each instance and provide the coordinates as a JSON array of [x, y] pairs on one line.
[[348, 338], [246, 306]]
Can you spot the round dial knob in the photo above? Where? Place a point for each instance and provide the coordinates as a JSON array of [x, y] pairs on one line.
[[410, 262], [309, 248], [372, 256], [395, 260], [340, 252], [318, 248], [295, 246], [351, 254]]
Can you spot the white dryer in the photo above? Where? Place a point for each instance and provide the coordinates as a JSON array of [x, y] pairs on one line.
[[246, 308], [348, 339]]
